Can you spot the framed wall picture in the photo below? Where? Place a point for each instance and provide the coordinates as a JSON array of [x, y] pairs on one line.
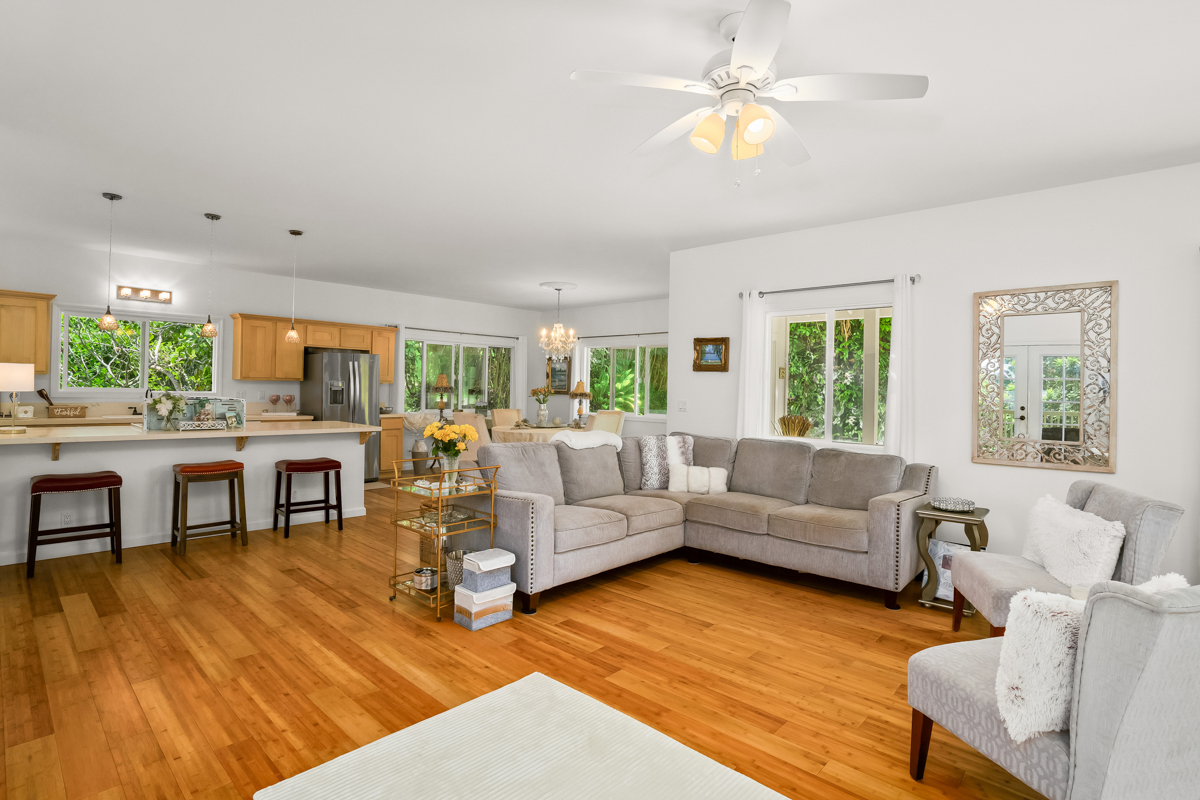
[[558, 375], [710, 355]]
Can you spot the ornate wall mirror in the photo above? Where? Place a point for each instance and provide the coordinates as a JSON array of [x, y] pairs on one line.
[[1045, 382]]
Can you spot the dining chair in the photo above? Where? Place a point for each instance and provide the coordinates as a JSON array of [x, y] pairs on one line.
[[477, 422], [505, 417], [611, 421]]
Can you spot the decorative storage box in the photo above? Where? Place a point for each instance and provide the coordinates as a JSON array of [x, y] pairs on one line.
[[487, 570], [227, 412], [476, 610]]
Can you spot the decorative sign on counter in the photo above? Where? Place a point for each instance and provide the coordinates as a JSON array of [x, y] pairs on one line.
[[172, 412]]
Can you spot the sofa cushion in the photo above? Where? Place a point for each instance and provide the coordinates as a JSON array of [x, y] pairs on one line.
[[591, 472], [525, 467], [849, 480], [712, 451], [679, 497], [580, 526], [736, 510], [843, 528], [630, 462], [641, 513], [773, 468]]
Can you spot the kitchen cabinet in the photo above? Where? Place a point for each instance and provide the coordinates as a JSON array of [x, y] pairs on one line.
[[355, 338], [253, 349], [321, 335], [391, 444], [25, 329], [383, 344], [261, 354], [289, 358]]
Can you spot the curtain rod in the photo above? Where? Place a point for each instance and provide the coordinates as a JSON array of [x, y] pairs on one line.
[[463, 333], [914, 279], [615, 335]]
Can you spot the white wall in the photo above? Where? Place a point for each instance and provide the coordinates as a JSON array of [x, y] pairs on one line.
[[1142, 230], [645, 316]]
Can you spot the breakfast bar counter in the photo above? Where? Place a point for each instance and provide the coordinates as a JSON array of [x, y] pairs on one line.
[[144, 460]]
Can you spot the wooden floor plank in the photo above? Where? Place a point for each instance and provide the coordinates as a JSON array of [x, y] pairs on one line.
[[86, 629], [32, 771]]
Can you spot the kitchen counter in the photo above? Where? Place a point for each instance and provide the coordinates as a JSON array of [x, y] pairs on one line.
[[131, 419]]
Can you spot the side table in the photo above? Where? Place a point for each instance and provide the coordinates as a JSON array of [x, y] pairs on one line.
[[977, 534]]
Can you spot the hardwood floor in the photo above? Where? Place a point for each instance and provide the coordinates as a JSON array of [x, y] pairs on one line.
[[218, 674]]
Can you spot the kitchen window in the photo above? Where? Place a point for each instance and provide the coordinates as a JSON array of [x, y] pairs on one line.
[[629, 379], [480, 375], [144, 353]]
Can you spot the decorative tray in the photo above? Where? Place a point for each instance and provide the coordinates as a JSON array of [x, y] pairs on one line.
[[956, 505], [193, 425]]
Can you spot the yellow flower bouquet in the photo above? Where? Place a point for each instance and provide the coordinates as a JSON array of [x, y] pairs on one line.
[[450, 441]]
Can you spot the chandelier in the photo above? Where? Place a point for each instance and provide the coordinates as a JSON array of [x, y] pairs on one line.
[[557, 342]]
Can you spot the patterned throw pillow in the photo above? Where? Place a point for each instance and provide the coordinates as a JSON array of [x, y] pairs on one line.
[[658, 454]]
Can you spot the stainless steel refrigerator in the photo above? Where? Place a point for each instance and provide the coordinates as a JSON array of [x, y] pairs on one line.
[[344, 385]]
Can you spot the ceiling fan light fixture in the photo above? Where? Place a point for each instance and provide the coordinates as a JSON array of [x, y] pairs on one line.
[[754, 124], [709, 134]]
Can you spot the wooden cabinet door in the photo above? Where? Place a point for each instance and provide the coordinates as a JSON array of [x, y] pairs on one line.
[[356, 338], [289, 358], [383, 344], [323, 336], [25, 332], [256, 349], [391, 448]]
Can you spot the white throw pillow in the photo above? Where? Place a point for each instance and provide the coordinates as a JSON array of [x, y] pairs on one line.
[[1036, 676], [718, 480], [678, 481], [1074, 546]]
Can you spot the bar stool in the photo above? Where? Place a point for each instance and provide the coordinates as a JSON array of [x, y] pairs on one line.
[[231, 471], [69, 484], [300, 467]]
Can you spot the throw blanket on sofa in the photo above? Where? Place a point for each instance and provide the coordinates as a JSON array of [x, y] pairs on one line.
[[585, 440]]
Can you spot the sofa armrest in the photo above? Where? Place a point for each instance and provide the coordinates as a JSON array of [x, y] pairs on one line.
[[922, 477], [525, 528], [892, 524]]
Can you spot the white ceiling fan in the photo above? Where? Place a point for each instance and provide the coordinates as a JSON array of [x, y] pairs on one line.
[[736, 79]]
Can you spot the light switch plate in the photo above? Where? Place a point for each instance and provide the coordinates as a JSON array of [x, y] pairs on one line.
[[683, 405]]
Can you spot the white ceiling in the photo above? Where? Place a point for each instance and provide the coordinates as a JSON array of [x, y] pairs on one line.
[[440, 148]]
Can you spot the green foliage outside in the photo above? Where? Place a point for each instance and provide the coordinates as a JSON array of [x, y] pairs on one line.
[[473, 390], [634, 379], [412, 375], [657, 391], [806, 374], [445, 359], [179, 358], [848, 380], [885, 360], [499, 377], [598, 379], [625, 379]]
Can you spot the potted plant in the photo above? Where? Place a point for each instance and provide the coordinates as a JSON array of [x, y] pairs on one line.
[[449, 442], [167, 407], [542, 396]]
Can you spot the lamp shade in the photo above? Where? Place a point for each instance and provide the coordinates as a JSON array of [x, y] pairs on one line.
[[580, 392], [754, 124], [442, 384], [16, 377], [708, 135]]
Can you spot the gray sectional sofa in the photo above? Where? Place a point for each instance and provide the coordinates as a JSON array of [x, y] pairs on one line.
[[569, 514]]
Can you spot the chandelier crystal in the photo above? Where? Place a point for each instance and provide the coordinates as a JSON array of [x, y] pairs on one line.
[[558, 342]]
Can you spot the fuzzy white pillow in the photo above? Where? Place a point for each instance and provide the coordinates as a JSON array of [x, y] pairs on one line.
[[697, 480], [1074, 546], [678, 478], [1036, 676]]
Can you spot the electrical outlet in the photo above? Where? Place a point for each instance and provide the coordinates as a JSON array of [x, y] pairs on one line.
[[262, 396], [240, 394], [66, 519], [295, 495], [683, 405]]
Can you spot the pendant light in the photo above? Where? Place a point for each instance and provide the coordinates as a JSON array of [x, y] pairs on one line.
[[292, 337], [558, 343], [108, 322], [209, 331]]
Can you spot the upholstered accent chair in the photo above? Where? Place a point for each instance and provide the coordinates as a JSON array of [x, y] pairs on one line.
[[505, 417], [611, 421], [470, 456], [989, 580], [1135, 720]]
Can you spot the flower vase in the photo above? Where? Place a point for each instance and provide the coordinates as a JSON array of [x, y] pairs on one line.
[[542, 414], [450, 463]]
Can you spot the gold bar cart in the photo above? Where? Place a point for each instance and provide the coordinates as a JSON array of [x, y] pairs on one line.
[[439, 516]]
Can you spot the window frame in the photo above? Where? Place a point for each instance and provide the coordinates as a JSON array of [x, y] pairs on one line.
[[582, 361], [61, 349], [458, 342]]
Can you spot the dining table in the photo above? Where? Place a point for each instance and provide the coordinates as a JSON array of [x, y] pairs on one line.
[[511, 433]]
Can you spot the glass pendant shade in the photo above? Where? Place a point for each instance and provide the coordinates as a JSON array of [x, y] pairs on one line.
[[755, 125], [739, 149], [108, 322], [209, 331], [708, 135], [291, 337]]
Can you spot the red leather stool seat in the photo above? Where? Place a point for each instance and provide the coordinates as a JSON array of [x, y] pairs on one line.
[[209, 468], [78, 482], [307, 465]]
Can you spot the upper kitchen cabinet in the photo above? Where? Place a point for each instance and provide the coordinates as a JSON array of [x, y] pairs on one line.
[[25, 329], [260, 352]]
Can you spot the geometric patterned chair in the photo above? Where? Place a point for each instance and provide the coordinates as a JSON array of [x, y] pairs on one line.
[[1135, 717], [989, 580]]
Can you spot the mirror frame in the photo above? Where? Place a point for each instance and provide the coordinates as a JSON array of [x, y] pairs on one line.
[[1096, 450]]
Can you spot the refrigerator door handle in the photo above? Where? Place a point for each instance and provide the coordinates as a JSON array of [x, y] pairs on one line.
[[353, 391]]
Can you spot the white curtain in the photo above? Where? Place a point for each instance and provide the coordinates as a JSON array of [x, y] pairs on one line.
[[751, 366], [899, 419]]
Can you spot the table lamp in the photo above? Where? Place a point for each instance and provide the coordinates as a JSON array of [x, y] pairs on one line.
[[580, 393], [442, 388], [15, 378]]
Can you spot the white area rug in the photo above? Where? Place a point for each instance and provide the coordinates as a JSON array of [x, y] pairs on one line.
[[534, 738]]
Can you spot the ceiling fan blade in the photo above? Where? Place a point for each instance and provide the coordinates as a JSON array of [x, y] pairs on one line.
[[758, 37], [673, 131], [638, 79], [785, 142], [850, 86]]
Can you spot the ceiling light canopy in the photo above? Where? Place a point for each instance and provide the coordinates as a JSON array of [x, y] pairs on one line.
[[557, 342]]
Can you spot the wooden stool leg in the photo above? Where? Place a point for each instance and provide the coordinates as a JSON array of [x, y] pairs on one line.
[[337, 483], [241, 491], [183, 517], [325, 475], [174, 510], [35, 516], [232, 509], [116, 500], [112, 525], [275, 508], [959, 601], [287, 508]]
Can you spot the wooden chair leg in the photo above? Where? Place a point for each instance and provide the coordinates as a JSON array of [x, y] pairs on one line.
[[232, 509], [241, 492], [959, 601], [116, 500], [183, 515], [325, 475], [922, 727], [35, 516], [889, 601], [996, 631], [112, 524], [175, 510], [287, 507], [529, 602], [337, 485], [275, 508]]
